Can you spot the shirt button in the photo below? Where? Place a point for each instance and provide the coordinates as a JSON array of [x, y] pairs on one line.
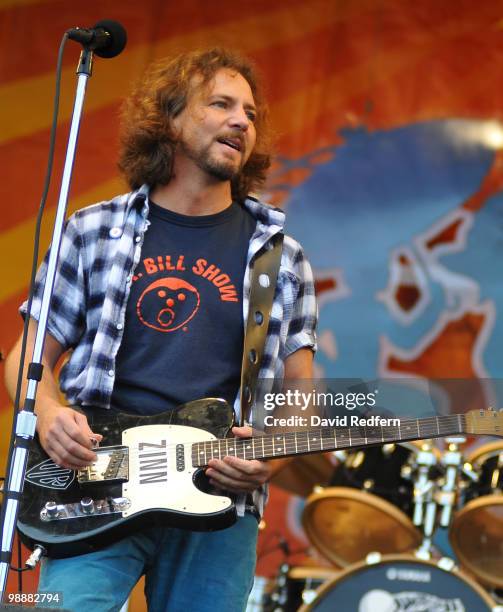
[[115, 232], [111, 372], [119, 326], [137, 239]]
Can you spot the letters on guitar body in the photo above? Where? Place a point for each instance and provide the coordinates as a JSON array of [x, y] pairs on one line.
[[150, 471]]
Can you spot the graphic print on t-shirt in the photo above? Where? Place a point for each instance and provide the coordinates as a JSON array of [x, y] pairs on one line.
[[169, 302]]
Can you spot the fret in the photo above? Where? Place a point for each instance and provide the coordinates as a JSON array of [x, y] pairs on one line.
[[288, 443], [460, 423], [326, 438], [248, 446], [343, 438], [407, 430], [279, 445], [349, 434], [314, 440], [418, 432], [240, 449], [357, 436], [268, 443], [295, 436], [263, 450], [391, 433], [438, 425]]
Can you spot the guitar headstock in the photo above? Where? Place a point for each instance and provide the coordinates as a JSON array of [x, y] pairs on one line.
[[488, 422]]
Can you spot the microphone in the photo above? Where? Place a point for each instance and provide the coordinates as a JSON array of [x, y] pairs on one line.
[[107, 38]]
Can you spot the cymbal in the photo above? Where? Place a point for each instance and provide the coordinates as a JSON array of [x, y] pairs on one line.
[[302, 474]]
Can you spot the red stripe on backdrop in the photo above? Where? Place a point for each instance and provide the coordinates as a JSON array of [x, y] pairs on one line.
[[42, 25]]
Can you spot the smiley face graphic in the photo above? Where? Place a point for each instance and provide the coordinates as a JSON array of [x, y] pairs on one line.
[[168, 304]]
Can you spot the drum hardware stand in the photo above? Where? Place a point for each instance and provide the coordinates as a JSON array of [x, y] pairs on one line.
[[423, 486], [279, 597], [425, 507], [446, 497]]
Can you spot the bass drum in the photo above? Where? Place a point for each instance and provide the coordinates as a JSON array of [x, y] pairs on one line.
[[369, 509], [476, 533], [400, 583]]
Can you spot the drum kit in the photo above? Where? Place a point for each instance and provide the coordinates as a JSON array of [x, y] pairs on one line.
[[376, 524]]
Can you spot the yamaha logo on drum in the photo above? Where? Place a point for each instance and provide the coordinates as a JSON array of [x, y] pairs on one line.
[[410, 575]]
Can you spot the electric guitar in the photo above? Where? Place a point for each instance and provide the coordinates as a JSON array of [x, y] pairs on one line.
[[150, 470]]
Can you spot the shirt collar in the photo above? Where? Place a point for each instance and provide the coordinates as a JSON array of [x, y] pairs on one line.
[[265, 213]]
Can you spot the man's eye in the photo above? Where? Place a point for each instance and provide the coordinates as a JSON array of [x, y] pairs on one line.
[[251, 116], [220, 103]]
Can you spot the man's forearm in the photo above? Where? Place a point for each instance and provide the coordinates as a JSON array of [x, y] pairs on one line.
[[278, 464], [47, 390]]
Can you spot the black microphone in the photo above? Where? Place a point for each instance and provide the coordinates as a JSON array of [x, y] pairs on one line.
[[107, 38]]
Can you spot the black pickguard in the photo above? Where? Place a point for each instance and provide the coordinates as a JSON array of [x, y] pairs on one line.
[[45, 481]]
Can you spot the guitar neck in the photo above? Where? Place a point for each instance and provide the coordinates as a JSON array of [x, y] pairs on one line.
[[278, 445]]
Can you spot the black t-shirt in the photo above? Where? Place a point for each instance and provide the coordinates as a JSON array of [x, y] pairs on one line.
[[183, 335]]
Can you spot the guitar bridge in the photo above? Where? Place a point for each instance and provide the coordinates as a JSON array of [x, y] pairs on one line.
[[111, 466]]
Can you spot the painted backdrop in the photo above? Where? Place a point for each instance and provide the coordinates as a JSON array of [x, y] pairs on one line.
[[389, 140]]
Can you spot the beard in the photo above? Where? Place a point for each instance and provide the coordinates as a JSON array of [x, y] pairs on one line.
[[218, 168]]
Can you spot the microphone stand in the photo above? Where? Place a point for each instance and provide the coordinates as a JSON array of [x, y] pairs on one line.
[[26, 419]]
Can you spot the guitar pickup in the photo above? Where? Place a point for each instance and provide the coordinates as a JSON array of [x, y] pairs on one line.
[[111, 466]]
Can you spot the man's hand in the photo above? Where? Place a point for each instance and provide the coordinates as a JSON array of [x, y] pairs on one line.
[[239, 475], [66, 436]]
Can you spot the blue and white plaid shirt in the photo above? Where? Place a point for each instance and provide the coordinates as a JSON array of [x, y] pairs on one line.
[[100, 249]]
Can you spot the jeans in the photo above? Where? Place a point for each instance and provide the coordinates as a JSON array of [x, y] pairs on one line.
[[185, 571]]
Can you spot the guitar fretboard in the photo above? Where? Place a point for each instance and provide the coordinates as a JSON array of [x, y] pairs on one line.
[[275, 446]]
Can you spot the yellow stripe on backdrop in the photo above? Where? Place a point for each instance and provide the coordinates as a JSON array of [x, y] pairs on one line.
[[112, 80]]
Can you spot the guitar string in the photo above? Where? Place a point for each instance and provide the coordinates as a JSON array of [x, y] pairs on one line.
[[348, 440]]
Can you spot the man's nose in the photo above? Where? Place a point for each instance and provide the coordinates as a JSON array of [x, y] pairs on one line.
[[239, 119]]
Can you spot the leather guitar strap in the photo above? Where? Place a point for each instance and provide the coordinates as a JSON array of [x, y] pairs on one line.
[[262, 287]]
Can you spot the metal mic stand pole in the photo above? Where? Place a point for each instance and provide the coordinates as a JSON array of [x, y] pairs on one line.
[[26, 419]]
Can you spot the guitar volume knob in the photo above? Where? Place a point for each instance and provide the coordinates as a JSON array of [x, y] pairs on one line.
[[50, 510], [87, 505]]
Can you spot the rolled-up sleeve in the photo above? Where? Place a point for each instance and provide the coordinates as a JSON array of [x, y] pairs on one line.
[[66, 314], [302, 328]]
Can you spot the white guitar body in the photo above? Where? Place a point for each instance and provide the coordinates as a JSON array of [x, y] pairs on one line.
[[159, 479]]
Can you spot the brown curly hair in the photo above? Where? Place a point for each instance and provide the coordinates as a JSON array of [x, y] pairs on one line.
[[147, 139]]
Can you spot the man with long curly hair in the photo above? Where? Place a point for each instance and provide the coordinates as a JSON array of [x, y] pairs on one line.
[[150, 303]]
